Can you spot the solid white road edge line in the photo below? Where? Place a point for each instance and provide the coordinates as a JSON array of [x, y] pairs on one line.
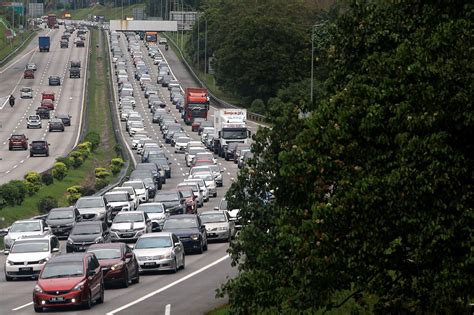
[[168, 309], [23, 306], [168, 286]]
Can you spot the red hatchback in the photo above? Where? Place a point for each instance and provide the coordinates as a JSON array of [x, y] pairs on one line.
[[48, 95], [119, 264], [69, 280], [18, 141]]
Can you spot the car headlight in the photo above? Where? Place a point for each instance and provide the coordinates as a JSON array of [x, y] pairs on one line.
[[79, 286], [42, 261], [9, 262], [117, 266], [195, 237], [38, 289], [222, 228], [99, 239]]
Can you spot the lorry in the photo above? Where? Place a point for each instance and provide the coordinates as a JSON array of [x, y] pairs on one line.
[[196, 104], [44, 43], [52, 21], [229, 127], [75, 69]]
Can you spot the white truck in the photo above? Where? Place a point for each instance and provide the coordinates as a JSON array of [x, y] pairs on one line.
[[229, 127]]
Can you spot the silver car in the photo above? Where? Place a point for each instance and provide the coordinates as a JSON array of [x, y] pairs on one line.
[[219, 225], [156, 212], [129, 226], [24, 228], [92, 208], [26, 92], [159, 251], [33, 121]]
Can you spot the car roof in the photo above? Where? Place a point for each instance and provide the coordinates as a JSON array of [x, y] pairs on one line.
[[108, 245], [182, 216], [69, 257], [28, 221], [88, 223], [154, 234], [91, 197], [62, 208]]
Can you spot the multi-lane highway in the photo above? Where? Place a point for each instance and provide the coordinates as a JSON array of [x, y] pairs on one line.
[[69, 100], [190, 291]]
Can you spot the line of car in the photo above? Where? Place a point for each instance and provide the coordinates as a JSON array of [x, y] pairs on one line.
[[160, 226]]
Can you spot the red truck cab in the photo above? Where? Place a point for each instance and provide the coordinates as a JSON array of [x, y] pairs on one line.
[[196, 104]]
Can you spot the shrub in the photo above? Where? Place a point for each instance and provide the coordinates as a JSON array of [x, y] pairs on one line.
[[258, 106], [85, 149], [59, 170], [101, 172], [47, 178], [33, 177], [46, 204], [101, 183], [88, 191], [65, 160], [76, 158], [93, 138], [32, 182], [116, 165]]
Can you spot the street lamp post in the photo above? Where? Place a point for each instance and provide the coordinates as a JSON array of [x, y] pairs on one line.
[[205, 43]]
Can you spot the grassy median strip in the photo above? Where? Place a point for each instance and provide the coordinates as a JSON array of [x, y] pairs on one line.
[[98, 121]]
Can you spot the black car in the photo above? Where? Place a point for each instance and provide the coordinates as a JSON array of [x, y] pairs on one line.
[[65, 118], [43, 112], [64, 43], [172, 200], [54, 80], [87, 233], [190, 230], [154, 170], [74, 73], [56, 125], [163, 164], [39, 147], [80, 43], [61, 220]]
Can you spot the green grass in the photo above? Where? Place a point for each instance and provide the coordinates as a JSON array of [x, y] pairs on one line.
[[222, 310], [7, 46], [110, 13], [99, 121]]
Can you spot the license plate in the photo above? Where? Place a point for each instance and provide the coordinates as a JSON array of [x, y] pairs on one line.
[[127, 235], [57, 299], [150, 264], [26, 269]]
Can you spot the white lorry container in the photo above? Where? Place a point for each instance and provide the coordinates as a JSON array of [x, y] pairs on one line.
[[229, 124]]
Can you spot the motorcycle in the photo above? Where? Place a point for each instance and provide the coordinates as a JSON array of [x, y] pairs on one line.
[[166, 47], [12, 101]]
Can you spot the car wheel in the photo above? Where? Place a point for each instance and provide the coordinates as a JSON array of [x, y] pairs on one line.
[[205, 246], [137, 277], [101, 298], [125, 281], [229, 238], [38, 309], [175, 267], [200, 250], [8, 278], [184, 261], [88, 303]]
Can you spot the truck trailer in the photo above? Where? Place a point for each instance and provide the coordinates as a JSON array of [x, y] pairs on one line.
[[44, 43], [230, 127]]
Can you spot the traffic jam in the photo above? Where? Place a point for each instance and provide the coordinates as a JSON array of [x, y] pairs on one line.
[[181, 149]]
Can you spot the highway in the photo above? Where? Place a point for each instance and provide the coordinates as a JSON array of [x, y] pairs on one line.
[[69, 100], [190, 291]]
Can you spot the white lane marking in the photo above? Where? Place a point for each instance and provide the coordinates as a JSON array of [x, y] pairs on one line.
[[23, 306], [168, 309], [143, 298]]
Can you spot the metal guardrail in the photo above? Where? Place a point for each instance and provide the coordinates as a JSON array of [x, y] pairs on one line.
[[250, 116]]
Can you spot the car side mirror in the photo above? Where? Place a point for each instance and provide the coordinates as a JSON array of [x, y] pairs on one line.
[[222, 171], [167, 210], [6, 252], [47, 228], [91, 273], [55, 250], [203, 227], [130, 199], [176, 244], [249, 132], [128, 255], [216, 208]]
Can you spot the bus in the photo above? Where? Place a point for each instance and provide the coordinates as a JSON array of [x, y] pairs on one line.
[[151, 37]]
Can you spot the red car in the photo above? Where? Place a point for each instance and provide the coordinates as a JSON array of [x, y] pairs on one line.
[[69, 280], [48, 103], [47, 95], [18, 141], [119, 264], [29, 74], [190, 199]]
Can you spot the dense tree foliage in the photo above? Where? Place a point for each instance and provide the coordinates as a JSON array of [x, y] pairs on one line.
[[373, 192]]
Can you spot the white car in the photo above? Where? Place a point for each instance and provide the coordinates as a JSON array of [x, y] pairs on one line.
[[129, 226], [26, 92], [163, 41], [28, 255], [180, 144], [131, 191], [208, 178], [156, 212], [159, 251], [140, 189], [191, 153], [31, 66], [136, 126], [214, 169], [33, 121], [219, 225], [202, 187], [136, 139]]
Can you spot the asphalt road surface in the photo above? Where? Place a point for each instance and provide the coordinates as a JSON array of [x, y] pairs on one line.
[[69, 100]]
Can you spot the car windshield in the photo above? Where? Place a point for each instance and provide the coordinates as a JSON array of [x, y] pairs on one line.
[[238, 133], [212, 217], [86, 229], [60, 214], [187, 193], [62, 270], [153, 242], [30, 247], [151, 208], [166, 197], [136, 185], [90, 203], [116, 197], [204, 176], [193, 187], [17, 137], [25, 89], [128, 217], [183, 223], [25, 227], [106, 253]]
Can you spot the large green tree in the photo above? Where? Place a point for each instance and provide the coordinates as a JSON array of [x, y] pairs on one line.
[[373, 191]]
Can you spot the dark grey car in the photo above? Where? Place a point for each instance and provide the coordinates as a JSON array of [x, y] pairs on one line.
[[54, 80], [85, 234], [62, 220]]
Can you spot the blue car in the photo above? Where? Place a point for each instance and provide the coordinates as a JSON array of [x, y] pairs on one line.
[[190, 230]]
